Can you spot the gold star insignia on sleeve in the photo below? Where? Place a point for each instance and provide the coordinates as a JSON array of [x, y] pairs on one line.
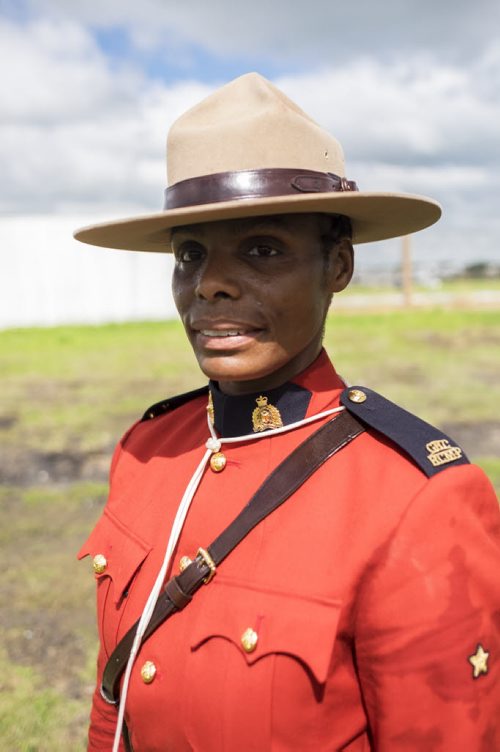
[[479, 662]]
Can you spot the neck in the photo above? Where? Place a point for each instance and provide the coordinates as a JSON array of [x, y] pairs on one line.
[[277, 378]]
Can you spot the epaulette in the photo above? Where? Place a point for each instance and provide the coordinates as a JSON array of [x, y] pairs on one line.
[[428, 447], [172, 403]]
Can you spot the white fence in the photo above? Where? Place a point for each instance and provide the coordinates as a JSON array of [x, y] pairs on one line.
[[47, 278]]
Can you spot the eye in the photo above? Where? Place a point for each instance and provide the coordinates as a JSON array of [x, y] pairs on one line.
[[189, 251], [262, 250]]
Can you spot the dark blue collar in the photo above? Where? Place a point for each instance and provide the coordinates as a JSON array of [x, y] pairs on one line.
[[248, 413]]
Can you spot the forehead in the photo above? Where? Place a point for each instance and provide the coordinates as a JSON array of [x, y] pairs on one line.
[[286, 222]]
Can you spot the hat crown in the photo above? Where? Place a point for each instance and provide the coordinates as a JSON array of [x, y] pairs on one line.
[[248, 151], [248, 124]]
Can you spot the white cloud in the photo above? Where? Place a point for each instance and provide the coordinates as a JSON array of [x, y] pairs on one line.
[[323, 31], [80, 132], [75, 131], [406, 112], [55, 72]]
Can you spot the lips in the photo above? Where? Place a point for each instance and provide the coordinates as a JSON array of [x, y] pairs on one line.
[[219, 327], [223, 334]]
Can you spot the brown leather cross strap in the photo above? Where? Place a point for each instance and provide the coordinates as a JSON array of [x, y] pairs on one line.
[[277, 487], [261, 183]]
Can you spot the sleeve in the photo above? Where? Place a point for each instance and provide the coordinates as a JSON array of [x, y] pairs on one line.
[[428, 620]]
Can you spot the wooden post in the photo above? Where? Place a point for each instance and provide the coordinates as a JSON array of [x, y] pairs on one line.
[[406, 271]]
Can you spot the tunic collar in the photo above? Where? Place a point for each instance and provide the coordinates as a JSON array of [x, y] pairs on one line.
[[311, 391]]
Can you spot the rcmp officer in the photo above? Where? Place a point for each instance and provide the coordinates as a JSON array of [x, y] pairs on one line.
[[354, 603]]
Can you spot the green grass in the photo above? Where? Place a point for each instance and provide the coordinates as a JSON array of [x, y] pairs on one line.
[[80, 386], [47, 660], [37, 718], [491, 466], [441, 364]]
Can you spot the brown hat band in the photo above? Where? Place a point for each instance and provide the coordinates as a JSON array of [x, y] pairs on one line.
[[227, 186]]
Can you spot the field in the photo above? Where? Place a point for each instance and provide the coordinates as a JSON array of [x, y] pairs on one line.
[[68, 393]]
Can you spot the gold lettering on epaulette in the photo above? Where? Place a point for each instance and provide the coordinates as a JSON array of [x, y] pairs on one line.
[[265, 416], [440, 452]]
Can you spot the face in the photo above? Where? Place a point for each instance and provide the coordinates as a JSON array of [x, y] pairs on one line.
[[253, 295]]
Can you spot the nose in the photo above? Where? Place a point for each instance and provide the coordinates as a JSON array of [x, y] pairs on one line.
[[218, 278]]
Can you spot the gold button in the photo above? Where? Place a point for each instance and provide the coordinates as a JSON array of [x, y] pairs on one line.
[[217, 462], [148, 672], [99, 563], [356, 395], [249, 640], [184, 562]]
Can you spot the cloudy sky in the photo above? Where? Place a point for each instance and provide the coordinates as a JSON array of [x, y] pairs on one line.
[[411, 88]]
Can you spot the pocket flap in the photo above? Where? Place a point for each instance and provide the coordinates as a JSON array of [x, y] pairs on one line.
[[303, 627], [123, 551]]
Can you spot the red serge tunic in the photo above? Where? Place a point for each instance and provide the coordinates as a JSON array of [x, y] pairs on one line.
[[366, 593]]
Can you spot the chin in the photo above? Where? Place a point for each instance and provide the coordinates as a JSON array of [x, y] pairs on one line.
[[226, 368], [222, 373]]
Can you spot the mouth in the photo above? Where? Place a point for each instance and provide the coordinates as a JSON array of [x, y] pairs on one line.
[[225, 335], [222, 332]]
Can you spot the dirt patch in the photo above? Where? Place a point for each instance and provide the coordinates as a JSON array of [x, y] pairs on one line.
[[27, 468], [471, 336], [477, 440], [7, 421], [48, 642]]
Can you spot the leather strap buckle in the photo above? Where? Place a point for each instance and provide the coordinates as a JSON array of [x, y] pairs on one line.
[[110, 701], [209, 562]]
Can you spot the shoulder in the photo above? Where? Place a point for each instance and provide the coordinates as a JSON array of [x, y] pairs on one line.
[[149, 433], [172, 403], [426, 446]]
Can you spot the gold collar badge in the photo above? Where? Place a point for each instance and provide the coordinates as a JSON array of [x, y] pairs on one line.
[[210, 408], [265, 416]]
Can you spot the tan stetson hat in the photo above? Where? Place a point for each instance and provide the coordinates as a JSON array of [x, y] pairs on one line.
[[247, 150]]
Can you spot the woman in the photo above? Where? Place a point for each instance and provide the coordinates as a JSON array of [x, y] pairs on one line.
[[361, 613]]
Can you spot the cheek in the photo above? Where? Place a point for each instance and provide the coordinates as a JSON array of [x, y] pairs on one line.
[[302, 311], [174, 286], [179, 293]]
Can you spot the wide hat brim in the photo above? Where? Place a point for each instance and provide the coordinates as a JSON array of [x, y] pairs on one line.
[[374, 216]]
